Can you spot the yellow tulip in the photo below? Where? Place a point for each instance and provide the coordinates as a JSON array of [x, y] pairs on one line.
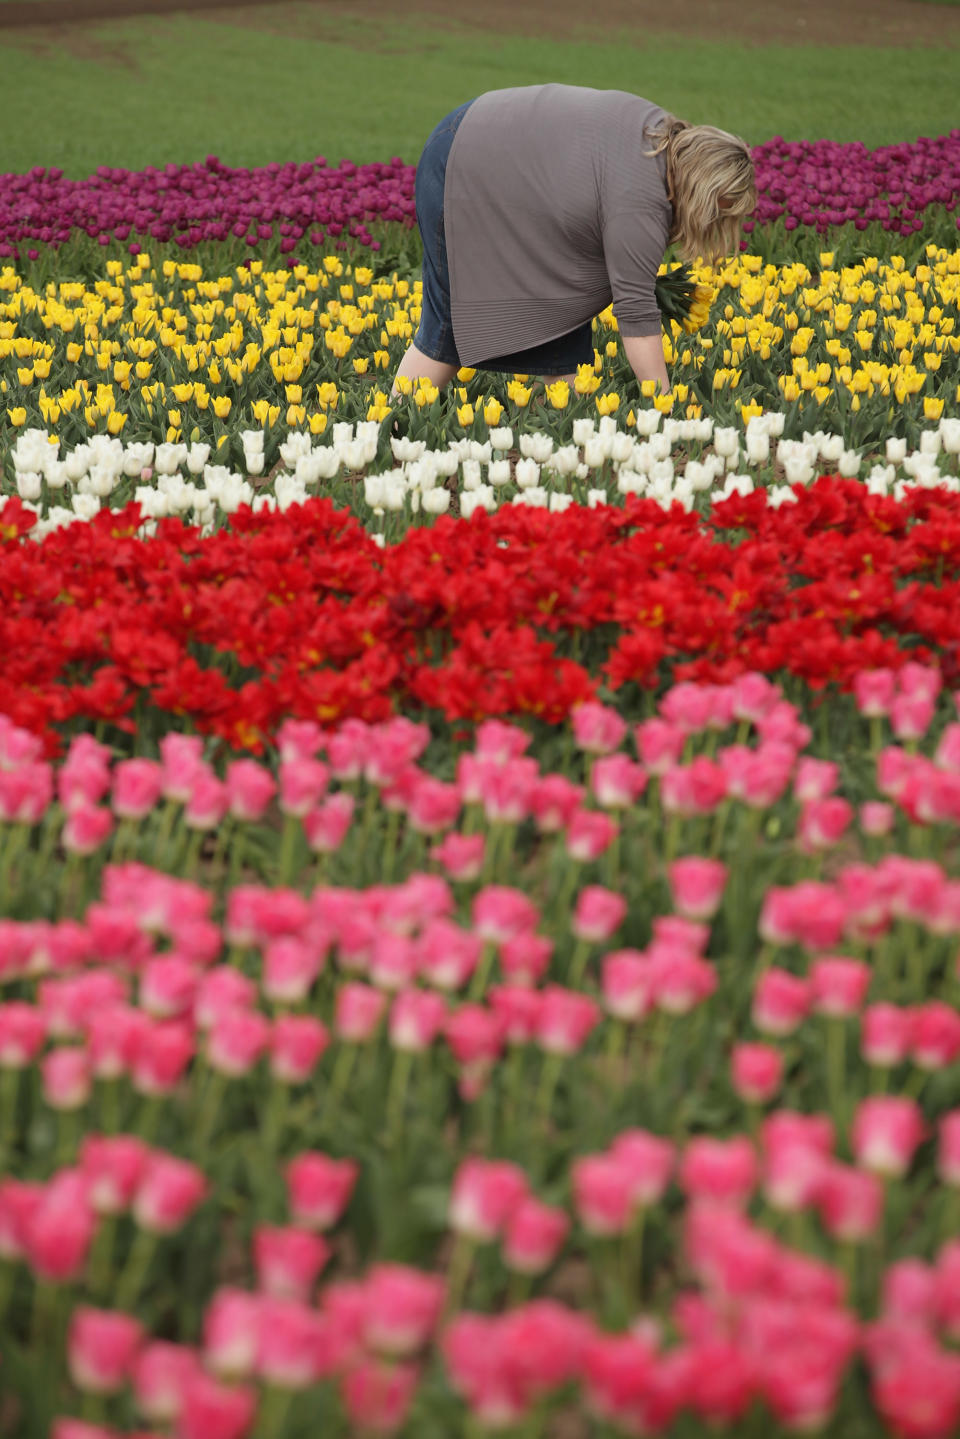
[[360, 367], [932, 407], [116, 421], [607, 404], [465, 415], [518, 393], [492, 412], [296, 414], [750, 409], [294, 394], [74, 351], [663, 403], [222, 405], [24, 375], [466, 374], [558, 394], [404, 384], [318, 423], [18, 416]]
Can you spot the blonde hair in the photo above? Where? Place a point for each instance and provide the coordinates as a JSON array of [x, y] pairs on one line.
[[711, 186]]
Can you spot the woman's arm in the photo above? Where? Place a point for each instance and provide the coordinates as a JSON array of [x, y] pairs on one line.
[[645, 354]]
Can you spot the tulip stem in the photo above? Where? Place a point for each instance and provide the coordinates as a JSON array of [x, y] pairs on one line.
[[128, 1286], [396, 1097], [461, 1262], [338, 1080]]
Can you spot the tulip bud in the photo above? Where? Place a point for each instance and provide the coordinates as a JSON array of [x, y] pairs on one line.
[[101, 1347]]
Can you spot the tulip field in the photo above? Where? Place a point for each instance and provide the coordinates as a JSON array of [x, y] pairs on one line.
[[479, 905]]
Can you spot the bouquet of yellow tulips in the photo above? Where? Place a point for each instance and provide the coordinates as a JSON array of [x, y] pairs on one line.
[[682, 298]]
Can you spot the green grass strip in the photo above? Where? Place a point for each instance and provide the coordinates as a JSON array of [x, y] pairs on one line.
[[158, 89]]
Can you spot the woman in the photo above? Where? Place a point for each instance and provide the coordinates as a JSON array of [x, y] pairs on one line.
[[540, 205]]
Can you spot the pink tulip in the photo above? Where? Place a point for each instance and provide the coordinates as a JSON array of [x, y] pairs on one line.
[[598, 914], [838, 986], [911, 715], [627, 985], [446, 955], [289, 1337], [416, 1018], [909, 1293], [947, 1289], [101, 1348], [948, 1148], [718, 1171], [377, 1396], [917, 1392], [757, 1072], [319, 1188], [236, 1040], [393, 961], [781, 1001], [597, 729], [589, 834], [403, 1307], [137, 787], [207, 802], [814, 779], [168, 986], [113, 1039], [525, 957], [357, 1011], [66, 1078], [554, 802], [823, 823], [517, 1010], [693, 789], [851, 1202], [86, 828], [659, 745], [935, 1040], [163, 1052], [602, 1194], [616, 781], [169, 1191], [433, 806], [231, 1333], [648, 1160], [112, 1166], [290, 967], [296, 1043], [886, 1132], [160, 1374], [886, 1034], [533, 1236], [618, 1372], [59, 1229], [182, 758], [484, 1195], [876, 818], [499, 912], [461, 855], [288, 1261], [302, 785], [697, 886], [566, 1020], [250, 788], [211, 1410], [679, 980], [507, 789], [220, 989], [792, 1173], [23, 1029], [874, 691], [326, 826]]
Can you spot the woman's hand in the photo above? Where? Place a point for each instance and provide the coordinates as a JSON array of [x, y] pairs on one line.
[[645, 355]]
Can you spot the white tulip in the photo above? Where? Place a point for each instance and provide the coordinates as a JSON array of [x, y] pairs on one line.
[[930, 441], [622, 447], [502, 438], [647, 421], [406, 449], [197, 457], [482, 453], [726, 440], [472, 477], [254, 462], [950, 436], [85, 506], [849, 464], [597, 497], [583, 430], [629, 482], [896, 449], [832, 448], [436, 502], [499, 472], [373, 488], [527, 473], [536, 497], [482, 499], [536, 447], [29, 485], [559, 501], [659, 446]]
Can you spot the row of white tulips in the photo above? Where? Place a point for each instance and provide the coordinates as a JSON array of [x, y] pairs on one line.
[[603, 463]]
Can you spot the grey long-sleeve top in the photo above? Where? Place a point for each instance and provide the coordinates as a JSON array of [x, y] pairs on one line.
[[551, 210]]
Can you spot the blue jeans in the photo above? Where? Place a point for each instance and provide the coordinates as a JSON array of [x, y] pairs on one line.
[[434, 335]]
